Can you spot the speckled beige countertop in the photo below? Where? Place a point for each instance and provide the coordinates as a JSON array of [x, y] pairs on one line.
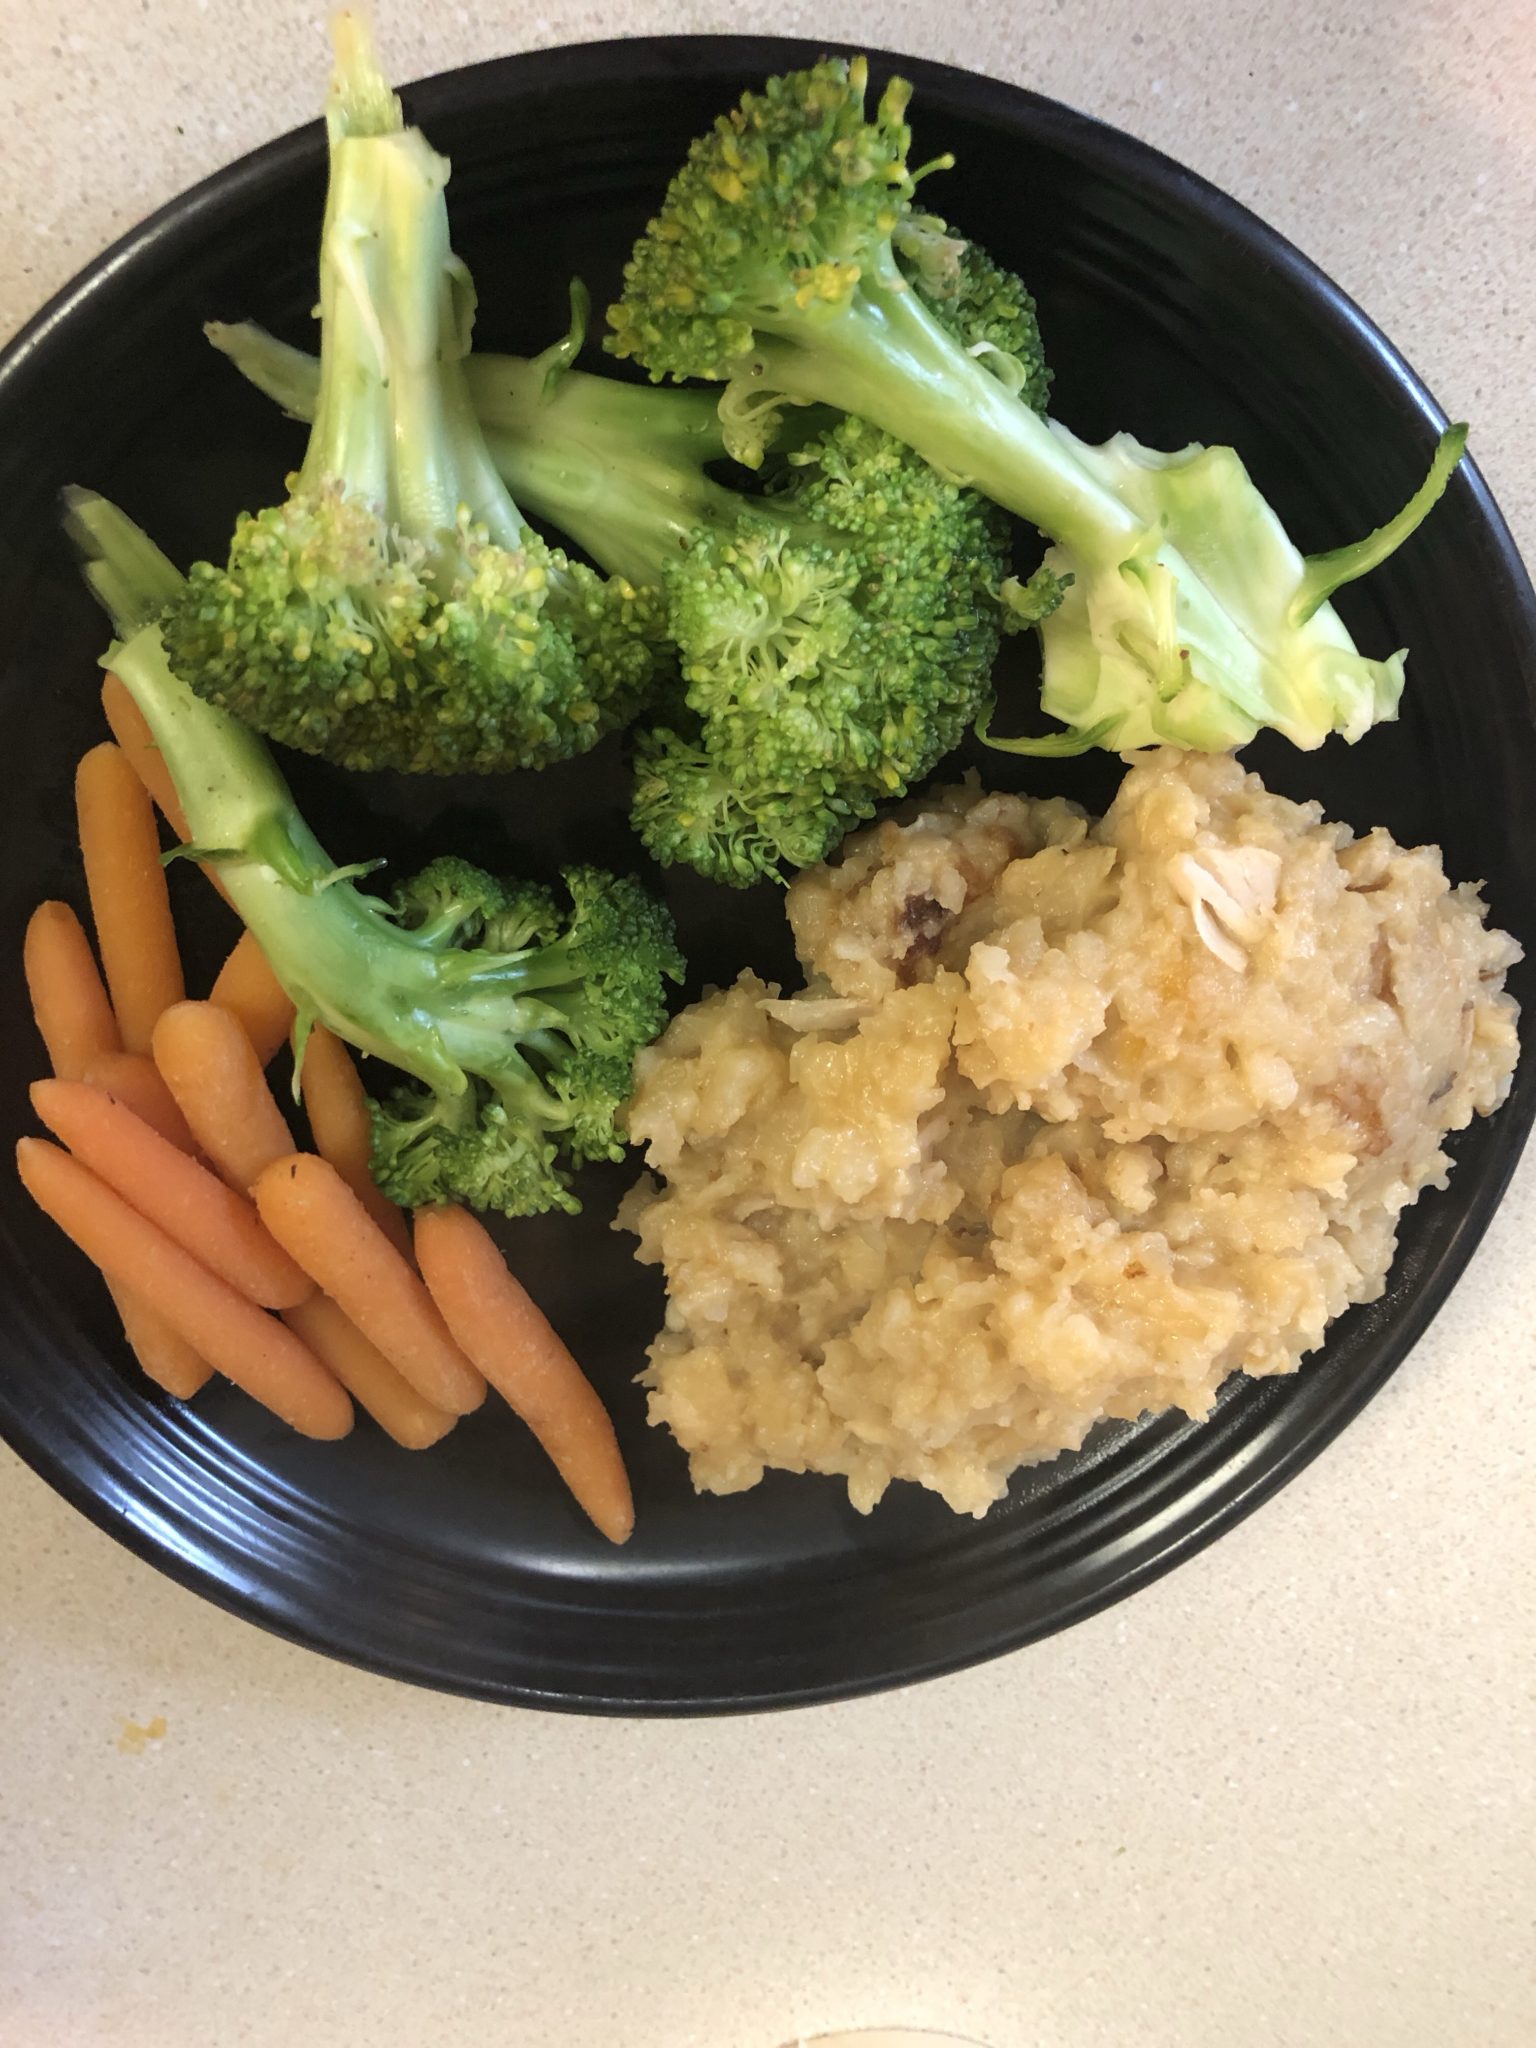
[[1281, 1799]]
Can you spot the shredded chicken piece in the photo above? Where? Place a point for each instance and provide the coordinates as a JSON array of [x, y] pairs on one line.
[[1231, 894], [817, 1013]]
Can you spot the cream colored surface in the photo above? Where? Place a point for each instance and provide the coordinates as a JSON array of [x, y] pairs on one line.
[[1281, 1799]]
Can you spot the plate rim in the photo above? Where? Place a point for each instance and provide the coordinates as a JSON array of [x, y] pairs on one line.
[[623, 59]]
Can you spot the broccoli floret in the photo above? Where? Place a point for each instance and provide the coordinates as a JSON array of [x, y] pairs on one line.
[[516, 1014], [397, 611], [835, 636], [782, 263]]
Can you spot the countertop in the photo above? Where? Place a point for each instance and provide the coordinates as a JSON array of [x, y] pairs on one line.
[[1281, 1798]]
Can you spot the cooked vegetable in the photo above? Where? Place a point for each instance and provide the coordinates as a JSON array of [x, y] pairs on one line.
[[134, 1080], [836, 636], [781, 263], [312, 1212], [211, 1069], [235, 1337], [505, 1333], [397, 611], [368, 1375], [341, 1124], [164, 1355], [247, 986], [216, 1226], [130, 729], [130, 905], [69, 1003], [517, 1019]]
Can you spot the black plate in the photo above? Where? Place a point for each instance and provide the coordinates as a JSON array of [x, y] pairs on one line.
[[1168, 310]]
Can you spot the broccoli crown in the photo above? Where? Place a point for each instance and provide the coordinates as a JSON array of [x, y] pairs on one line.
[[987, 308], [835, 643], [397, 611], [689, 811], [564, 997], [786, 201]]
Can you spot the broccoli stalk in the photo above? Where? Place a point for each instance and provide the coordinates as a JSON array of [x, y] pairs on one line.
[[518, 1022], [396, 611], [776, 266], [835, 636], [620, 468]]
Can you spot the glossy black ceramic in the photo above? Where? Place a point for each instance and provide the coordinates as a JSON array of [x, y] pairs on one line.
[[1167, 310]]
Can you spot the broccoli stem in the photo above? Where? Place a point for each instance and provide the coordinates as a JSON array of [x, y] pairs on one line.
[[890, 361], [620, 468]]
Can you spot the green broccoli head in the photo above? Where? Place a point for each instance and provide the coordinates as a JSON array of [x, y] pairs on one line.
[[836, 642], [780, 208], [547, 1006], [988, 309], [397, 611]]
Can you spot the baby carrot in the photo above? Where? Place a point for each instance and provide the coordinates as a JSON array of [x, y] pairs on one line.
[[337, 1107], [130, 728], [501, 1330], [322, 1225], [129, 900], [367, 1374], [247, 985], [135, 1081], [190, 1204], [237, 1339], [68, 1001], [165, 1355], [211, 1070]]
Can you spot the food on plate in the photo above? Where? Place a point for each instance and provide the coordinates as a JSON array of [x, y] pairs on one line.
[[374, 1384], [208, 1065], [341, 1124], [69, 1003], [246, 985], [173, 1190], [315, 1216], [163, 1354], [134, 1080], [515, 1016], [496, 1324], [217, 1321], [396, 610], [835, 634], [130, 904], [1072, 1120], [1171, 605]]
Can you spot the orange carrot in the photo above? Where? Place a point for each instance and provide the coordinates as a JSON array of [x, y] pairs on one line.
[[247, 985], [134, 1080], [165, 1355], [211, 1070], [367, 1374], [339, 1120], [237, 1339], [502, 1330], [129, 900], [70, 1005], [131, 730], [190, 1204], [322, 1225]]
